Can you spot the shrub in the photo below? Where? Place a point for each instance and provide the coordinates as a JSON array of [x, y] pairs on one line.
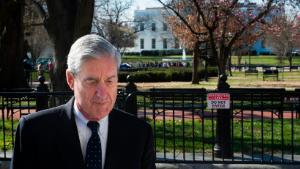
[[165, 74], [150, 53], [132, 53], [162, 52]]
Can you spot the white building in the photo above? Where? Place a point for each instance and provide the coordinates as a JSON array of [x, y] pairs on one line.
[[152, 30]]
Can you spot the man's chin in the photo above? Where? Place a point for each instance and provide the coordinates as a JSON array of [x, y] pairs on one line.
[[102, 111]]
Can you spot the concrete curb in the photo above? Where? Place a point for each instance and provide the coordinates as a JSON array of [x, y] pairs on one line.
[[6, 164], [224, 166]]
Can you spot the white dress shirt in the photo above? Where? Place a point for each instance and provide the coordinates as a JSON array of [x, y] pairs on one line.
[[85, 133]]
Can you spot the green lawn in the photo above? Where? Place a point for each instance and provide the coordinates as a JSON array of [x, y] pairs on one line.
[[198, 135], [288, 80], [150, 58], [254, 60], [266, 60], [6, 140]]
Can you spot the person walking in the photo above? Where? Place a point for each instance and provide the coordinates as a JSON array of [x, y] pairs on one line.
[[87, 132]]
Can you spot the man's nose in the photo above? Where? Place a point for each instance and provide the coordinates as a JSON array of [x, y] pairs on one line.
[[101, 90]]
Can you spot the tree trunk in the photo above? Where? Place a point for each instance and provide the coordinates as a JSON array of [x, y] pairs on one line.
[[229, 65], [239, 57], [11, 46], [290, 61], [206, 71], [223, 57], [213, 60], [68, 20], [84, 18], [196, 54], [58, 75]]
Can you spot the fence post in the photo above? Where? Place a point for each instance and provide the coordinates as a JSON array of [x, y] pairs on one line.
[[223, 146], [42, 98], [131, 100]]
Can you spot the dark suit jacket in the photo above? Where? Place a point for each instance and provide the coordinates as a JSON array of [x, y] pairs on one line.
[[49, 140]]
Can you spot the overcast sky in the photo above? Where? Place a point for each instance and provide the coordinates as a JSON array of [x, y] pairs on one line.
[[142, 4]]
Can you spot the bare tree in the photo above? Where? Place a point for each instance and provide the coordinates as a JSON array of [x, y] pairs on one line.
[[283, 36], [65, 21], [110, 21], [221, 23], [35, 32]]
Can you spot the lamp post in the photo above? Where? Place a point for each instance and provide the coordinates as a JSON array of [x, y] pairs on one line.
[[223, 141]]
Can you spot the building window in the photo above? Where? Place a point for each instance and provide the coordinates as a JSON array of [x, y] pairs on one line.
[[165, 43], [153, 27], [165, 27], [142, 27], [142, 43], [153, 44]]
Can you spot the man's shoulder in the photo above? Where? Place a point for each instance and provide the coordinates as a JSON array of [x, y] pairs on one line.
[[47, 117], [128, 119], [53, 112]]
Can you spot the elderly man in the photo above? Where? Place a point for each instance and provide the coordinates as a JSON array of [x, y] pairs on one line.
[[87, 132]]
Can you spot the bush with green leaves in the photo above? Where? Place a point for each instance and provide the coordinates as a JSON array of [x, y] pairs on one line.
[[165, 74]]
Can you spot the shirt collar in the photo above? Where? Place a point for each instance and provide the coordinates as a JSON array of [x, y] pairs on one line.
[[102, 122]]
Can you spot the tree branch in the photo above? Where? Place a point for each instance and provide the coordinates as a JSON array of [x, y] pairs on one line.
[[181, 18], [259, 16]]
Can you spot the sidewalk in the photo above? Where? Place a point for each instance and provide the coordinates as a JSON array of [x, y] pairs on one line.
[[224, 166], [5, 165]]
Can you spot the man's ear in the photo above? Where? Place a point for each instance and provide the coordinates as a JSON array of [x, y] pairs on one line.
[[70, 79]]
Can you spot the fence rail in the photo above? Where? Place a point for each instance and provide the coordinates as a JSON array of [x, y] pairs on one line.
[[264, 126], [264, 123]]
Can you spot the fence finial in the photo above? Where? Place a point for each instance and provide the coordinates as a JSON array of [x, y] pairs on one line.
[[131, 100], [223, 85], [42, 99]]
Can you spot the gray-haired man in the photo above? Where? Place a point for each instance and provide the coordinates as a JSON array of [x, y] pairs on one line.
[[87, 132]]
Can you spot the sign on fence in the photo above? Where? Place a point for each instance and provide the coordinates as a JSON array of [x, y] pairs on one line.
[[218, 100]]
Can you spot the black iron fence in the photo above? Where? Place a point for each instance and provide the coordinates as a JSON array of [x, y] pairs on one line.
[[259, 126], [263, 125]]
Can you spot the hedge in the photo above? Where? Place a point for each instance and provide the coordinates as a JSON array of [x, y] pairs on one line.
[[164, 52], [165, 74]]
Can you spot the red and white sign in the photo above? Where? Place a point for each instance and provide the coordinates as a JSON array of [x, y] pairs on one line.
[[218, 100]]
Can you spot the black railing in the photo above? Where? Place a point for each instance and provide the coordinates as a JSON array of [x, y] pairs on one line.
[[264, 123], [13, 105]]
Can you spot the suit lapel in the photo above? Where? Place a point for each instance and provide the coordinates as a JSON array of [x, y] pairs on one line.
[[111, 147], [69, 145]]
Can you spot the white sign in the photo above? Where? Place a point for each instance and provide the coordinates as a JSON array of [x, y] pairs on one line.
[[218, 100]]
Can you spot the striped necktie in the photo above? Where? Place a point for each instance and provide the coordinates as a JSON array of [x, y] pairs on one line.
[[93, 157]]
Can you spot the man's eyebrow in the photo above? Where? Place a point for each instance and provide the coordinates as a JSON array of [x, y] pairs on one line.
[[111, 77], [90, 78]]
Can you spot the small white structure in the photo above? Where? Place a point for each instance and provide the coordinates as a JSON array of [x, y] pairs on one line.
[[152, 30]]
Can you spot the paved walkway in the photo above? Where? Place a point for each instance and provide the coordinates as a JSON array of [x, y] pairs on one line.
[[5, 165], [224, 166]]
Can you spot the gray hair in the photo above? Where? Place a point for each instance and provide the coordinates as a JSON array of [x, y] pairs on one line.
[[90, 46]]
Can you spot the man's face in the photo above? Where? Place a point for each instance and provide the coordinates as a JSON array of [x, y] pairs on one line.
[[95, 87]]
